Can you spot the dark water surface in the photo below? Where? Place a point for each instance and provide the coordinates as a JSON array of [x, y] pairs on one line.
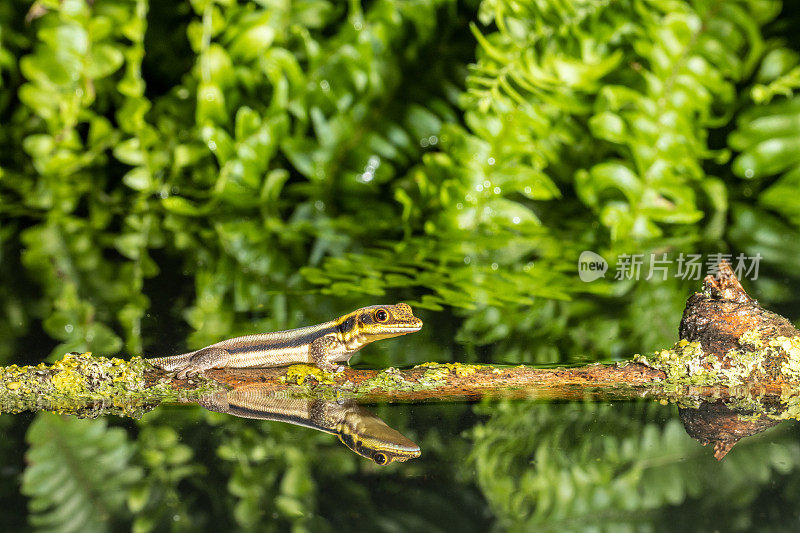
[[507, 464]]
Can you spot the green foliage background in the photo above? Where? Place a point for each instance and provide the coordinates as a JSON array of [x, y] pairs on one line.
[[175, 173]]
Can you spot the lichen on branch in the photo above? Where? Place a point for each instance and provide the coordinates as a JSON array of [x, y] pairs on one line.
[[88, 386]]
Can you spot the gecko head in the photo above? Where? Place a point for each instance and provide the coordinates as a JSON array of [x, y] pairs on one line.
[[385, 321], [379, 451], [370, 437]]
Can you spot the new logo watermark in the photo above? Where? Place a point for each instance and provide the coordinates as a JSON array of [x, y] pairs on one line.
[[592, 266]]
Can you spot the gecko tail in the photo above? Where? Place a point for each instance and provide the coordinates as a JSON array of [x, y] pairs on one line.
[[172, 363]]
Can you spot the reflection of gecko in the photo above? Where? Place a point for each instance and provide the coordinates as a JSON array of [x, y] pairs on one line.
[[324, 344], [357, 428]]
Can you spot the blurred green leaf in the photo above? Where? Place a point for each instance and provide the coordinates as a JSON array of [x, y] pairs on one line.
[[78, 474]]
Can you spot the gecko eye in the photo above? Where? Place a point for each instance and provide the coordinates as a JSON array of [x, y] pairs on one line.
[[381, 315], [379, 458]]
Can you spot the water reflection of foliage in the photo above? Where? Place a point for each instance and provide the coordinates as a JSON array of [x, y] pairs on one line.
[[566, 467], [235, 472]]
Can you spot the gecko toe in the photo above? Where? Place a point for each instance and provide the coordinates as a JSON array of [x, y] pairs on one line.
[[186, 372]]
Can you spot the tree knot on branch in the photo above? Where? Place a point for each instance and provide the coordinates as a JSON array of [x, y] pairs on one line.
[[728, 339]]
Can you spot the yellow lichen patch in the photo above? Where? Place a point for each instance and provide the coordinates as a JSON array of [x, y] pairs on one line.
[[75, 383], [790, 401], [298, 374], [68, 381], [434, 375], [69, 361], [744, 364], [389, 379], [683, 364], [458, 369], [752, 337], [67, 378], [15, 370], [791, 347], [438, 373]]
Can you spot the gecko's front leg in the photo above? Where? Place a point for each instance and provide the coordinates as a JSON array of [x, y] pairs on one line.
[[326, 351]]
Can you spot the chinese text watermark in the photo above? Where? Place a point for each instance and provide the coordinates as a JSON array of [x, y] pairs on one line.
[[592, 266]]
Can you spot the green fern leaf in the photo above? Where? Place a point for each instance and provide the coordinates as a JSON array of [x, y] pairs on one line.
[[78, 474]]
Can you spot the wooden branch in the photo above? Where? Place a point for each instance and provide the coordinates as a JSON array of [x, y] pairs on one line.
[[452, 381], [88, 387]]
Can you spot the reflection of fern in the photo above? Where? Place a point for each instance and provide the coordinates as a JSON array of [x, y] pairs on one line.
[[578, 466], [78, 473], [155, 499]]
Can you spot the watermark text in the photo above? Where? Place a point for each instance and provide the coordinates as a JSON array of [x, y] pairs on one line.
[[592, 266]]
